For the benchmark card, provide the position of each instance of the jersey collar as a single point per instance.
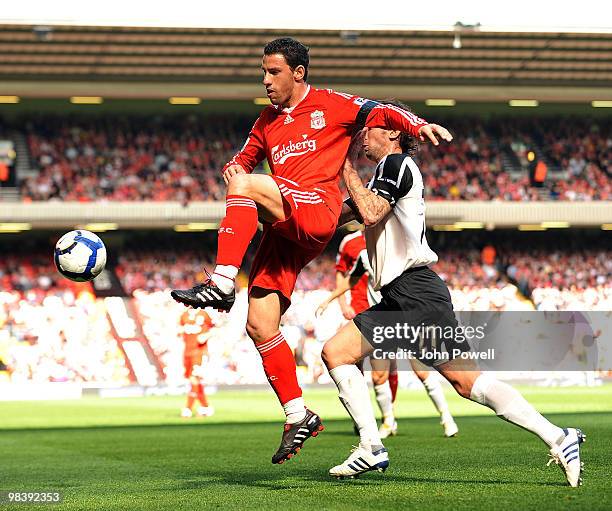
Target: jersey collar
(289, 110)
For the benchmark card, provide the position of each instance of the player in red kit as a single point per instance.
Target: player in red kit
(195, 327)
(305, 135)
(348, 254)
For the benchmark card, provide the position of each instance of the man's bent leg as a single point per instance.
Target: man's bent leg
(503, 399)
(510, 405)
(249, 197)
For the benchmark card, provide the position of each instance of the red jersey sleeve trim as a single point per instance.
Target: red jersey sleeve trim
(395, 118)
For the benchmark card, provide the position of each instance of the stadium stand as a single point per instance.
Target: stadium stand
(68, 333)
(178, 157)
(128, 159)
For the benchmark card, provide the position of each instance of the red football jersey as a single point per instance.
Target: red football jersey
(195, 323)
(307, 144)
(348, 254)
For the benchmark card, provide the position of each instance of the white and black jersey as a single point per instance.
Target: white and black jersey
(398, 241)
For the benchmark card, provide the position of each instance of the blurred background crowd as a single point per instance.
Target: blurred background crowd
(179, 158)
(52, 329)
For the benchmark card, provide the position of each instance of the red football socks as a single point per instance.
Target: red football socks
(236, 230)
(191, 396)
(393, 381)
(201, 396)
(279, 366)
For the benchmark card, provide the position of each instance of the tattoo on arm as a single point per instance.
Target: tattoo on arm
(372, 208)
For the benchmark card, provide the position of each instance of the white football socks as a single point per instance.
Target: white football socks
(385, 402)
(509, 404)
(224, 277)
(354, 395)
(295, 410)
(433, 385)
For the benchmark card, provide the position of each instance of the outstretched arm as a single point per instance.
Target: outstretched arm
(395, 118)
(355, 112)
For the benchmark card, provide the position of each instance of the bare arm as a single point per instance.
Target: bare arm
(371, 207)
(340, 283)
(347, 284)
(347, 310)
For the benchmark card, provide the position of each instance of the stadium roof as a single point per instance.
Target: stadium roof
(462, 63)
(514, 16)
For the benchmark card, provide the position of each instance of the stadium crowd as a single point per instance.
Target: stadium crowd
(158, 269)
(54, 330)
(179, 158)
(130, 159)
(58, 337)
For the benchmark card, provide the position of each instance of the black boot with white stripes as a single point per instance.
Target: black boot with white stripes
(294, 436)
(205, 295)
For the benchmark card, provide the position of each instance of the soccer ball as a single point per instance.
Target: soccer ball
(80, 255)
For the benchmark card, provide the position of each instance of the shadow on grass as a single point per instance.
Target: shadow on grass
(243, 464)
(303, 477)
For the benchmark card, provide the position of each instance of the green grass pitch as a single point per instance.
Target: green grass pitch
(136, 453)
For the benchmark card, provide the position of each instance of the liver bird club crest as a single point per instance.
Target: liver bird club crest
(317, 120)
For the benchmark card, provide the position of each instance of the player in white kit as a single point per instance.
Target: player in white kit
(383, 369)
(392, 208)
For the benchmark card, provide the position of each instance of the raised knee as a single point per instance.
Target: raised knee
(329, 355)
(259, 331)
(464, 389)
(239, 184)
(253, 330)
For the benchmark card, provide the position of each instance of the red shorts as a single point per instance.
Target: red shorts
(191, 360)
(289, 245)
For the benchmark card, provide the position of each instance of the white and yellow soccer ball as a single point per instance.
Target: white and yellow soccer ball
(80, 255)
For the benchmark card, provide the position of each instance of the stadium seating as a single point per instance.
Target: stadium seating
(179, 158)
(67, 336)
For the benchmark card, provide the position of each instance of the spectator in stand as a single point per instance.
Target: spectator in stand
(52, 329)
(178, 158)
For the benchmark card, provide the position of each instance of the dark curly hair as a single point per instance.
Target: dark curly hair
(295, 53)
(407, 142)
